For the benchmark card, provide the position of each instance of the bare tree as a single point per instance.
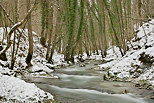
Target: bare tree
(14, 27)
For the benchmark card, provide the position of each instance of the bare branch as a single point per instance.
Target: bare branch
(15, 27)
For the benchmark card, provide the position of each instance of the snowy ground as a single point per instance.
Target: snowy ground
(13, 89)
(16, 90)
(138, 62)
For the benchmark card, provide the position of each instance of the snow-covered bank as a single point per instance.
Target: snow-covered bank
(138, 62)
(16, 90)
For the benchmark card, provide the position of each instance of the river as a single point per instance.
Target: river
(86, 85)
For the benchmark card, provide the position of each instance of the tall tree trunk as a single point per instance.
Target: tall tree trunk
(14, 46)
(45, 20)
(50, 21)
(80, 29)
(114, 30)
(140, 10)
(30, 37)
(71, 17)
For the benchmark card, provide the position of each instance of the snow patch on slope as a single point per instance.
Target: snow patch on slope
(14, 88)
(123, 66)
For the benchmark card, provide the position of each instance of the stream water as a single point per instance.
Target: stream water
(86, 85)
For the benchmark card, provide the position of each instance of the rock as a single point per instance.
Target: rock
(147, 46)
(6, 74)
(29, 71)
(103, 69)
(96, 64)
(50, 67)
(131, 71)
(136, 75)
(117, 86)
(139, 71)
(150, 88)
(80, 58)
(3, 99)
(142, 84)
(111, 77)
(82, 65)
(106, 77)
(146, 59)
(118, 79)
(39, 70)
(97, 68)
(152, 97)
(63, 66)
(87, 62)
(104, 61)
(125, 91)
(115, 73)
(3, 55)
(137, 85)
(140, 88)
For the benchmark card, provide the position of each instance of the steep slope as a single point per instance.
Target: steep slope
(138, 62)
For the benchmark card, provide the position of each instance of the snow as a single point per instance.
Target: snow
(124, 64)
(5, 71)
(38, 67)
(149, 74)
(93, 56)
(38, 61)
(19, 90)
(113, 53)
(152, 82)
(14, 89)
(121, 66)
(58, 58)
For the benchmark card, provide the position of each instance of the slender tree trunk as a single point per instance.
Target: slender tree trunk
(112, 25)
(14, 27)
(45, 20)
(30, 36)
(16, 20)
(50, 20)
(71, 17)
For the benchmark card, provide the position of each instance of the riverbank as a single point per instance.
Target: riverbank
(77, 84)
(13, 88)
(137, 65)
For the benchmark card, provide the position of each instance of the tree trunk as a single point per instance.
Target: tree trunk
(16, 20)
(50, 20)
(30, 37)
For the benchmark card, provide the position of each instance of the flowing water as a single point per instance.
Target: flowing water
(86, 85)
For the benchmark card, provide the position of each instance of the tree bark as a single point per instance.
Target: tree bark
(30, 36)
(14, 46)
(50, 20)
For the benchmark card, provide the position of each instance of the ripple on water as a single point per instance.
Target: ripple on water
(90, 96)
(92, 88)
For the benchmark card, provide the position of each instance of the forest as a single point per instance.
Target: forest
(76, 40)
